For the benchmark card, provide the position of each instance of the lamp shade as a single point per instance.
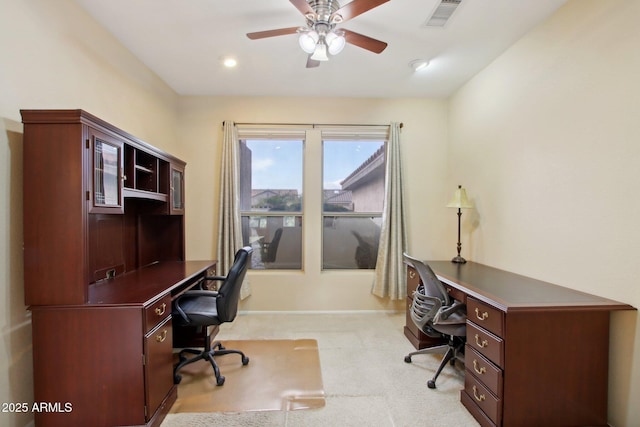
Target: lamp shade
(308, 40)
(320, 52)
(459, 199)
(335, 42)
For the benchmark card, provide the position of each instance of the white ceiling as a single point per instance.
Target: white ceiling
(183, 42)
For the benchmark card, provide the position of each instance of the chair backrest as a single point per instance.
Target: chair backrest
(433, 287)
(229, 292)
(428, 299)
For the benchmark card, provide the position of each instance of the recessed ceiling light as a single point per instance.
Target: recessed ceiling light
(419, 64)
(229, 62)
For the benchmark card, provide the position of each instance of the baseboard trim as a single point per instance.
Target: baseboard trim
(249, 312)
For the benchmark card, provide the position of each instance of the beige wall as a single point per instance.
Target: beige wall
(547, 141)
(53, 55)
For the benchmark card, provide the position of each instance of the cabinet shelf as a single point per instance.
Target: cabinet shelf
(142, 194)
(143, 169)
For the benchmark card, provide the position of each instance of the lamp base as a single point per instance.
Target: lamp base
(459, 260)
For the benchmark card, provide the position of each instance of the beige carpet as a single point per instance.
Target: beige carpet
(281, 375)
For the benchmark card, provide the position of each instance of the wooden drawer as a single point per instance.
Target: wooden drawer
(490, 318)
(487, 344)
(485, 371)
(158, 366)
(469, 403)
(456, 294)
(483, 398)
(157, 312)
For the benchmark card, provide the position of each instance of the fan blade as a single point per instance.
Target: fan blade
(303, 7)
(357, 7)
(312, 63)
(365, 42)
(273, 33)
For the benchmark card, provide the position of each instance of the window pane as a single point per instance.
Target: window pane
(276, 241)
(353, 181)
(350, 242)
(353, 176)
(271, 175)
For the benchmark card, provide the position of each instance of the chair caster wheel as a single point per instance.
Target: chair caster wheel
(407, 359)
(431, 384)
(177, 379)
(245, 360)
(220, 380)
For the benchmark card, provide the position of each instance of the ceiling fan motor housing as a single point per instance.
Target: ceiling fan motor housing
(324, 9)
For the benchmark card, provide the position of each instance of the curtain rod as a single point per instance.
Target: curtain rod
(313, 125)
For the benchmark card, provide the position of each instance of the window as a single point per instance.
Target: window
(345, 168)
(353, 198)
(271, 201)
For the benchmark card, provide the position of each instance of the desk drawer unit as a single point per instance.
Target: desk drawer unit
(158, 366)
(484, 362)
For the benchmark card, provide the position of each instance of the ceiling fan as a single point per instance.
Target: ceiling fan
(320, 38)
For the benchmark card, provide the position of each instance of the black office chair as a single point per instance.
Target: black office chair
(204, 308)
(438, 317)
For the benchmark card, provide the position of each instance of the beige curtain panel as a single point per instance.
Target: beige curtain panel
(390, 280)
(229, 220)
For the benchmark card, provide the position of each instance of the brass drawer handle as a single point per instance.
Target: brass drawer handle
(482, 369)
(481, 344)
(412, 274)
(484, 315)
(475, 394)
(161, 337)
(160, 310)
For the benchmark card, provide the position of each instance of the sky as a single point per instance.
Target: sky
(278, 164)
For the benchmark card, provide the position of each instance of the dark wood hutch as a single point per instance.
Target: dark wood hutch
(104, 255)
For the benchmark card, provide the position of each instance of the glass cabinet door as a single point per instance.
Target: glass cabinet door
(107, 173)
(177, 190)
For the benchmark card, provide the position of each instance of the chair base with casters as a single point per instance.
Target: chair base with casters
(208, 354)
(453, 350)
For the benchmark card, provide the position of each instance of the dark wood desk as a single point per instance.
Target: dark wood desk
(536, 354)
(110, 361)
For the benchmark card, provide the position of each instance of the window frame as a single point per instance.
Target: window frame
(273, 133)
(351, 134)
(322, 133)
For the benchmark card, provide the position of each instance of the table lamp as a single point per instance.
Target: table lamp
(459, 201)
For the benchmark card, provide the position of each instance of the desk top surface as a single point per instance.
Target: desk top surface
(144, 285)
(512, 291)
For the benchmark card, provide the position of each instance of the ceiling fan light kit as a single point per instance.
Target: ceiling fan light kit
(320, 38)
(308, 40)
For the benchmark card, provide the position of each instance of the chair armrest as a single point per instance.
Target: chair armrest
(446, 312)
(215, 277)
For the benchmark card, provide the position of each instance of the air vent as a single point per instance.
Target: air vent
(442, 13)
